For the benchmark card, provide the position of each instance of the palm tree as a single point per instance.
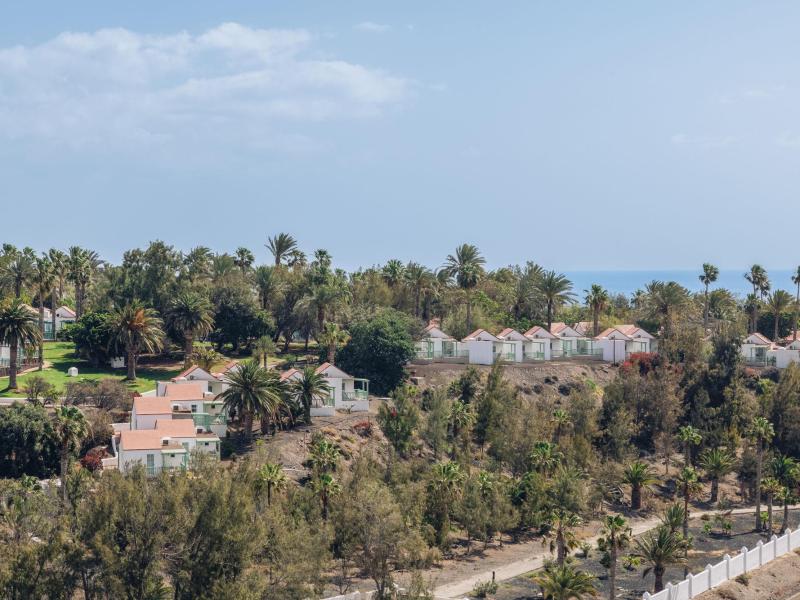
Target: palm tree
(544, 458)
(758, 278)
(243, 259)
(640, 477)
(771, 488)
(597, 299)
(206, 357)
(82, 264)
(332, 337)
(270, 477)
(43, 282)
(281, 247)
(786, 470)
(689, 436)
(198, 263)
(18, 270)
(421, 281)
(466, 266)
(751, 306)
(393, 272)
(796, 281)
(444, 490)
(663, 300)
(689, 486)
(561, 423)
(269, 286)
(58, 262)
(614, 537)
(709, 276)
(716, 462)
(561, 531)
(674, 516)
(252, 391)
(778, 302)
(762, 433)
(462, 419)
(565, 583)
(324, 456)
(556, 290)
(325, 486)
(17, 328)
(69, 430)
(190, 314)
(660, 548)
(136, 329)
(309, 389)
(262, 348)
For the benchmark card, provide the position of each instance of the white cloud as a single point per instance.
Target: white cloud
(703, 141)
(371, 27)
(788, 140)
(118, 86)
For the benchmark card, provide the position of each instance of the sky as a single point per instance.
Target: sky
(580, 135)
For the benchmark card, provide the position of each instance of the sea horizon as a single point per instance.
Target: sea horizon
(628, 281)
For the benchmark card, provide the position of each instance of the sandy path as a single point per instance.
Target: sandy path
(537, 554)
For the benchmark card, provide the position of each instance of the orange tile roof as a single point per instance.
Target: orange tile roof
(185, 373)
(322, 368)
(536, 329)
(152, 405)
(505, 332)
(183, 428)
(761, 337)
(287, 374)
(184, 391)
(146, 439)
(557, 328)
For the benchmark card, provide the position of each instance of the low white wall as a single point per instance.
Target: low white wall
(613, 350)
(480, 352)
(729, 568)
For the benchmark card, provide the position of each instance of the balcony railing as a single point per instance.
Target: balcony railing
(206, 420)
(761, 361)
(532, 355)
(355, 396)
(439, 355)
(152, 471)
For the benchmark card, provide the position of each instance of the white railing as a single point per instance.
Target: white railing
(729, 568)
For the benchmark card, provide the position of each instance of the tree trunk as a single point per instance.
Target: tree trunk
(775, 330)
(64, 467)
(131, 366)
(54, 303)
(307, 411)
(636, 497)
(686, 527)
(41, 332)
(469, 313)
(187, 350)
(785, 523)
(331, 352)
(561, 550)
(12, 363)
(758, 486)
(549, 316)
(714, 489)
(596, 325)
(612, 570)
(248, 425)
(769, 513)
(265, 424)
(796, 306)
(658, 571)
(705, 311)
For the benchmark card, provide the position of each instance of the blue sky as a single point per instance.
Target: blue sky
(579, 135)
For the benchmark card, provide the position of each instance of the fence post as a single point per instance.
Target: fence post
(774, 547)
(708, 568)
(727, 559)
(760, 553)
(669, 591)
(646, 596)
(744, 556)
(689, 579)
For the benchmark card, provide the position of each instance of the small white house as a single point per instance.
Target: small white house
(345, 392)
(539, 344)
(514, 343)
(149, 409)
(166, 447)
(759, 351)
(437, 346)
(64, 316)
(214, 383)
(484, 348)
(191, 399)
(619, 342)
(569, 342)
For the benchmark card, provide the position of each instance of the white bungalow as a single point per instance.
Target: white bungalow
(484, 348)
(214, 382)
(759, 351)
(64, 316)
(165, 447)
(619, 342)
(437, 346)
(514, 342)
(539, 344)
(345, 391)
(569, 342)
(192, 399)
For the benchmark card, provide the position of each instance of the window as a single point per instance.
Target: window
(194, 408)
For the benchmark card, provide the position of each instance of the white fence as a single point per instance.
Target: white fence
(729, 568)
(366, 596)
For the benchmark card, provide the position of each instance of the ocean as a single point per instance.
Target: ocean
(627, 282)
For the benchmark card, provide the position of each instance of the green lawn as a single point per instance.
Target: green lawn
(60, 355)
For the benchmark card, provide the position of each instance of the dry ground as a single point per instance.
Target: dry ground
(779, 580)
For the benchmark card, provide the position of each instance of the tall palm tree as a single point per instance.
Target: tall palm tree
(309, 389)
(252, 391)
(18, 327)
(198, 264)
(562, 524)
(772, 489)
(43, 283)
(660, 548)
(689, 436)
(325, 486)
(709, 276)
(270, 478)
(556, 290)
(466, 266)
(444, 490)
(716, 462)
(243, 258)
(281, 246)
(674, 516)
(758, 278)
(136, 329)
(762, 432)
(262, 348)
(324, 456)
(787, 471)
(269, 285)
(639, 476)
(18, 270)
(615, 536)
(565, 583)
(663, 300)
(332, 337)
(421, 280)
(82, 264)
(778, 302)
(689, 486)
(58, 262)
(561, 423)
(796, 281)
(751, 307)
(462, 419)
(393, 272)
(544, 458)
(69, 430)
(192, 316)
(597, 299)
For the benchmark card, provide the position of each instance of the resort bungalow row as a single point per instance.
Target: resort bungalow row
(345, 392)
(760, 351)
(481, 347)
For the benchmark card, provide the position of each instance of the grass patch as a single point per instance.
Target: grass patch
(61, 356)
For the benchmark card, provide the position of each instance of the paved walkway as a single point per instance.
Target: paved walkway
(510, 570)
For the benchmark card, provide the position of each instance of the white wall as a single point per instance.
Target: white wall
(480, 352)
(613, 350)
(148, 421)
